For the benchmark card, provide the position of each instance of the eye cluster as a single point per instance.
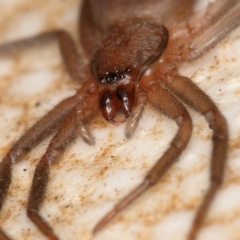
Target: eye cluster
(113, 77)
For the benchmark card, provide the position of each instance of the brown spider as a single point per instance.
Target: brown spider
(125, 72)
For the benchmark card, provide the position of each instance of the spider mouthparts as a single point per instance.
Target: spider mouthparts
(115, 101)
(111, 120)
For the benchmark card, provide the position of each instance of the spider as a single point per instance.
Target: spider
(125, 72)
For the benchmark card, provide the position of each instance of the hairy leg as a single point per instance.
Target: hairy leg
(192, 95)
(188, 92)
(198, 23)
(188, 49)
(44, 127)
(79, 117)
(73, 62)
(53, 120)
(40, 179)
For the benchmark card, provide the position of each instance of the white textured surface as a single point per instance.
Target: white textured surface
(89, 180)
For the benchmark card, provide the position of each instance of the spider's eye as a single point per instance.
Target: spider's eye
(113, 78)
(101, 78)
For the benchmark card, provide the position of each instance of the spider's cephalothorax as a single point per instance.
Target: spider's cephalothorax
(117, 65)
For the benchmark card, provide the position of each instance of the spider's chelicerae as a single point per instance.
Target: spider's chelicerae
(124, 73)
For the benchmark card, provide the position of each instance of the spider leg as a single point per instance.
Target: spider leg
(212, 36)
(174, 109)
(188, 92)
(41, 175)
(73, 62)
(196, 24)
(44, 127)
(78, 117)
(31, 138)
(53, 120)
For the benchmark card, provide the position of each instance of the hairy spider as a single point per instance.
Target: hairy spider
(103, 167)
